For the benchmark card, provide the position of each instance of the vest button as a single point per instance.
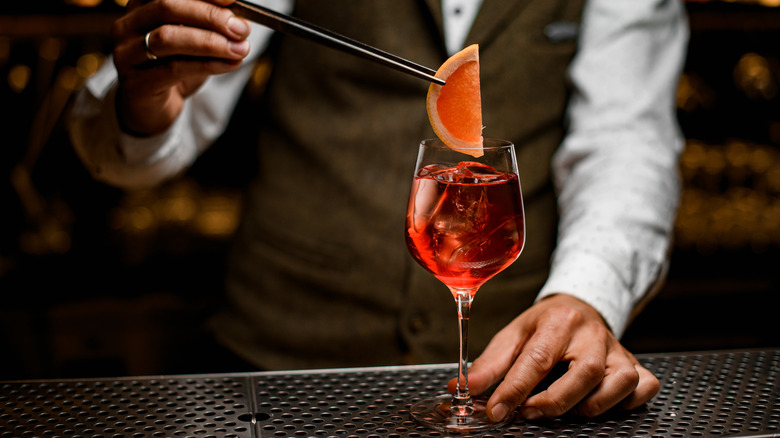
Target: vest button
(417, 323)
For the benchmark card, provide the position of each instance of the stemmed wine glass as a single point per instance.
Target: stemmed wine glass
(464, 224)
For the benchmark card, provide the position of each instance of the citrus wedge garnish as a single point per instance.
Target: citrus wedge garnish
(455, 109)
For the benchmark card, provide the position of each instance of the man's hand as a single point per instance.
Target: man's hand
(191, 39)
(602, 374)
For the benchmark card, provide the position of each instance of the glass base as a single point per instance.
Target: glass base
(438, 413)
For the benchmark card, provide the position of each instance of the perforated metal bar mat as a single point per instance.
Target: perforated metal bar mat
(721, 394)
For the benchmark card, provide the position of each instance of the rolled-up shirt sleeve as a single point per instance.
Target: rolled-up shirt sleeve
(130, 162)
(616, 170)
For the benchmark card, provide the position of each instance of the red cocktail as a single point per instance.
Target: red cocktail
(464, 224)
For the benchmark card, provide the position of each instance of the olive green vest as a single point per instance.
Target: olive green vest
(320, 276)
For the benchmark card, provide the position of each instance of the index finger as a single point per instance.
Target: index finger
(535, 361)
(136, 3)
(585, 373)
(209, 15)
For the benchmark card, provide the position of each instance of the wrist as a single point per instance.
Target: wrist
(145, 118)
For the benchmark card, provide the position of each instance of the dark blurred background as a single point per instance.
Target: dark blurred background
(98, 282)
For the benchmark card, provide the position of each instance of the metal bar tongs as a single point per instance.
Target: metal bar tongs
(293, 26)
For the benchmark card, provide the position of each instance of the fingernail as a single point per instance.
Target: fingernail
(499, 411)
(239, 48)
(238, 26)
(531, 413)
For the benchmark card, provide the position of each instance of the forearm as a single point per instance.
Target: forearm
(617, 170)
(130, 162)
(117, 158)
(616, 228)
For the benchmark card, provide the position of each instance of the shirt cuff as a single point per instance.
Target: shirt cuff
(139, 151)
(592, 280)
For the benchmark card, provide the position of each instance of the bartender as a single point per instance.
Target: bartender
(320, 276)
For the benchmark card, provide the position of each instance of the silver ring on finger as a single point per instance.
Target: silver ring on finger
(149, 54)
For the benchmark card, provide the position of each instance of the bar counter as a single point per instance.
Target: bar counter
(730, 393)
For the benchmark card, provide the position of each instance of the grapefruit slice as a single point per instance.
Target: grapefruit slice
(455, 109)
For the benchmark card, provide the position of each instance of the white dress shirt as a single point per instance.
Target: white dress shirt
(615, 172)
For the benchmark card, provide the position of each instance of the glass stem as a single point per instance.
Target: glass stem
(461, 402)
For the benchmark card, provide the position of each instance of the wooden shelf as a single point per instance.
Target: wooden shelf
(75, 25)
(721, 16)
